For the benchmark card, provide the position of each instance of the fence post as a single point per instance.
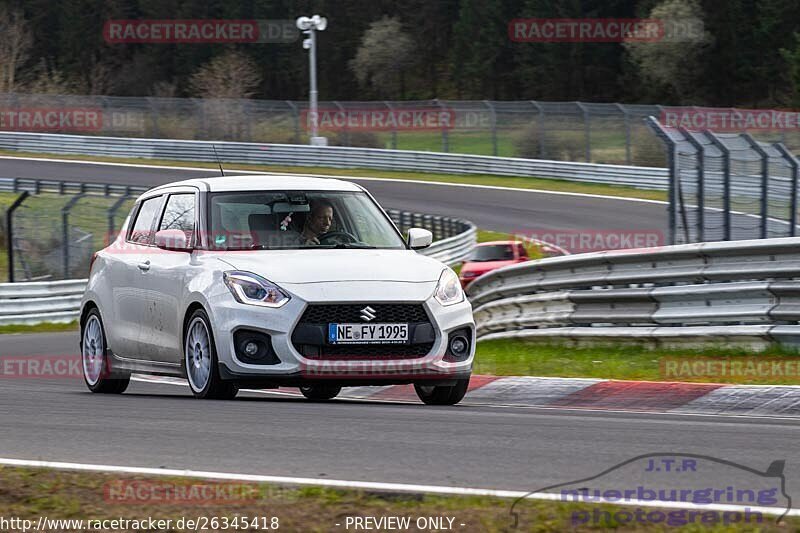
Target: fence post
(65, 231)
(726, 177)
(346, 130)
(540, 127)
(627, 133)
(764, 181)
(662, 134)
(795, 166)
(112, 211)
(488, 104)
(701, 193)
(394, 129)
(296, 120)
(10, 232)
(587, 134)
(445, 136)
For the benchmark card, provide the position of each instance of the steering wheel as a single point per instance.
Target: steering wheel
(325, 238)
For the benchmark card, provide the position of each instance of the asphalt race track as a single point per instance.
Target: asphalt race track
(490, 209)
(160, 425)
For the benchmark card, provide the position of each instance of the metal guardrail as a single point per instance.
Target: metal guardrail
(35, 302)
(334, 156)
(741, 291)
(41, 186)
(59, 301)
(454, 238)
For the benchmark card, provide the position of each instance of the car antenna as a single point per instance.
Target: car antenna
(218, 161)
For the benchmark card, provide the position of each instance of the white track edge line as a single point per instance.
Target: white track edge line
(373, 485)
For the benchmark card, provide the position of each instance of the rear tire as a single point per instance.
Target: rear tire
(201, 363)
(94, 358)
(442, 394)
(320, 392)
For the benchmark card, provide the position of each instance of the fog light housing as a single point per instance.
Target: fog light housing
(458, 345)
(254, 348)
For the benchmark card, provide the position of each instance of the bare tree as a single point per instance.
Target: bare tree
(230, 75)
(385, 53)
(49, 80)
(15, 41)
(673, 62)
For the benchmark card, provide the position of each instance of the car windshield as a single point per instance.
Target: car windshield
(495, 252)
(279, 220)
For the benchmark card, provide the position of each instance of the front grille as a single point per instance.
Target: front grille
(324, 314)
(348, 313)
(367, 351)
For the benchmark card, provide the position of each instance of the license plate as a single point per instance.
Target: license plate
(367, 333)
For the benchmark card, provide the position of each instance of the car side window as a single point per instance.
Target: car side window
(142, 229)
(179, 214)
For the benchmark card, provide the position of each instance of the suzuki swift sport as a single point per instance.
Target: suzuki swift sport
(266, 281)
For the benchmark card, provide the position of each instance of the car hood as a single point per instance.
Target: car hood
(320, 266)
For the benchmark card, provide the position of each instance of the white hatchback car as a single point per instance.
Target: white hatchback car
(267, 281)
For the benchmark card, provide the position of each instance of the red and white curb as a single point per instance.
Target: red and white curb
(594, 394)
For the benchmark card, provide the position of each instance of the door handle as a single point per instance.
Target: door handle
(144, 267)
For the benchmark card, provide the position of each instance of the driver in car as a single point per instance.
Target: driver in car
(318, 222)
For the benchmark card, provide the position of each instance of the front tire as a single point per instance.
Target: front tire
(442, 394)
(200, 361)
(94, 358)
(320, 392)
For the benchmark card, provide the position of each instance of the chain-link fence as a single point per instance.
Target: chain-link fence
(565, 131)
(728, 186)
(56, 226)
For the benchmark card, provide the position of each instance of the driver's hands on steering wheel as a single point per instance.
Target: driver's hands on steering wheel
(336, 237)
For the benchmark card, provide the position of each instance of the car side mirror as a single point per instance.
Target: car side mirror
(419, 238)
(173, 239)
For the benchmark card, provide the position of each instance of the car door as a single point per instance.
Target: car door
(127, 269)
(162, 325)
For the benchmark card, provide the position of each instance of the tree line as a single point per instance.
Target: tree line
(746, 54)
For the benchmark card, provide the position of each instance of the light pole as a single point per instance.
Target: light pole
(310, 26)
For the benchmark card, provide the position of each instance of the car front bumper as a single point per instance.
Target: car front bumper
(228, 316)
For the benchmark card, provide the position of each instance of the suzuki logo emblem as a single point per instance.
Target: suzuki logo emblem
(368, 314)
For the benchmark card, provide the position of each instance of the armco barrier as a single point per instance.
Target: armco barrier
(35, 302)
(722, 292)
(333, 156)
(59, 301)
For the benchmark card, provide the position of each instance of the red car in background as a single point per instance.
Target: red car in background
(488, 256)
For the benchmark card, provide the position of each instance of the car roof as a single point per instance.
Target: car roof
(262, 182)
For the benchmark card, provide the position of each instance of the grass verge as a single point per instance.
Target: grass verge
(515, 357)
(28, 493)
(474, 179)
(45, 327)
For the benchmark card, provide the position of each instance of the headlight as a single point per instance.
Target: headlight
(448, 291)
(249, 288)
